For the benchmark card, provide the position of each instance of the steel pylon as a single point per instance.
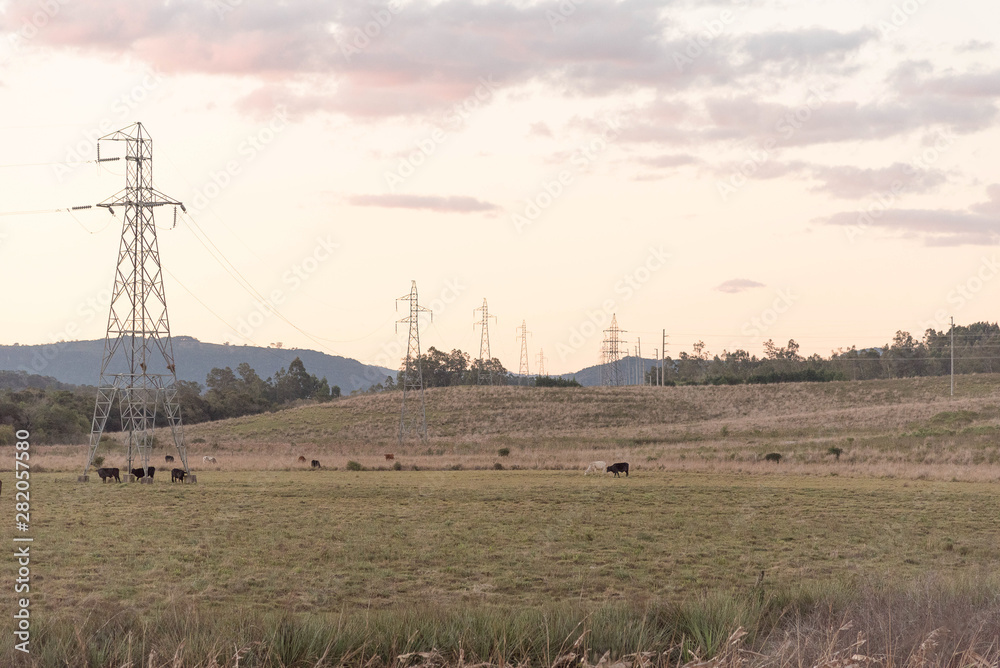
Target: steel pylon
(137, 368)
(611, 367)
(413, 377)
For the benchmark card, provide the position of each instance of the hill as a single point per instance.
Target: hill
(79, 362)
(912, 422)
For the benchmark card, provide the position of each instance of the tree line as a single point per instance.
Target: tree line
(976, 350)
(55, 415)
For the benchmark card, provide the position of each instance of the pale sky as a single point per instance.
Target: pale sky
(699, 167)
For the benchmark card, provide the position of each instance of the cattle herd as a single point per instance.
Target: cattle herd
(178, 475)
(106, 474)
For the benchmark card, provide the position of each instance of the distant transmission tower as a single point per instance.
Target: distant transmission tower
(484, 345)
(137, 369)
(523, 335)
(611, 366)
(413, 377)
(541, 362)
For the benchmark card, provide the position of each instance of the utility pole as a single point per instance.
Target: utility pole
(485, 358)
(611, 368)
(413, 376)
(663, 355)
(137, 369)
(642, 364)
(953, 356)
(523, 335)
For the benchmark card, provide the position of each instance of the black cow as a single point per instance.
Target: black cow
(177, 475)
(169, 458)
(107, 473)
(620, 467)
(315, 463)
(773, 457)
(138, 473)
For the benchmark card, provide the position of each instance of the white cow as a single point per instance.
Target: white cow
(599, 467)
(209, 460)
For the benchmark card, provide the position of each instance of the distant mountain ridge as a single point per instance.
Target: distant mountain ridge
(79, 362)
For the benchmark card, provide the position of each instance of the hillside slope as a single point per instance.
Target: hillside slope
(875, 413)
(79, 362)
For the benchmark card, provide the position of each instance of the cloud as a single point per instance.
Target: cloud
(851, 182)
(396, 59)
(979, 225)
(453, 204)
(735, 285)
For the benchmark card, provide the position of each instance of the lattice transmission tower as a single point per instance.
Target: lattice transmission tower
(541, 362)
(137, 369)
(413, 376)
(611, 363)
(485, 359)
(523, 335)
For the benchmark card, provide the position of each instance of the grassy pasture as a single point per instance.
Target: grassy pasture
(337, 545)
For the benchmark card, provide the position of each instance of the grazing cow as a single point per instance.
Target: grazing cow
(389, 457)
(108, 473)
(620, 467)
(773, 457)
(138, 473)
(169, 458)
(315, 464)
(209, 460)
(177, 475)
(596, 467)
(302, 460)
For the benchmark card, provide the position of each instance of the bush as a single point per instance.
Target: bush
(7, 435)
(456, 467)
(98, 462)
(398, 466)
(503, 452)
(354, 466)
(498, 466)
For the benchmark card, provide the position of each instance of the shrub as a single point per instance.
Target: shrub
(498, 466)
(7, 435)
(98, 462)
(398, 466)
(456, 467)
(354, 466)
(503, 452)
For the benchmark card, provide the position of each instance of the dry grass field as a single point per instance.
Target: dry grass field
(265, 562)
(907, 428)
